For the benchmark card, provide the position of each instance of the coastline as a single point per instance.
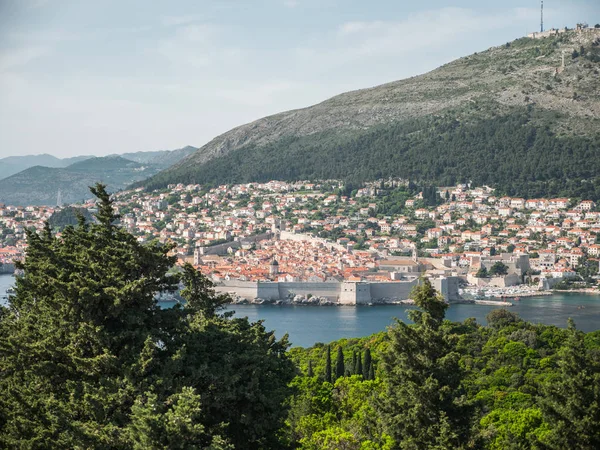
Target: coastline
(526, 294)
(590, 291)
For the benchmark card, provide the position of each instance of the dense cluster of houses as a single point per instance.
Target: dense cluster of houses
(313, 232)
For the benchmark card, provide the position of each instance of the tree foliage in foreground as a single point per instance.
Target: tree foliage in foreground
(89, 360)
(440, 384)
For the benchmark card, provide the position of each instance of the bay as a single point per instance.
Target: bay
(6, 281)
(307, 325)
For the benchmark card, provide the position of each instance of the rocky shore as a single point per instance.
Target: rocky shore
(311, 301)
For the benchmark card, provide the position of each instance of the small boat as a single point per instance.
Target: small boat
(517, 299)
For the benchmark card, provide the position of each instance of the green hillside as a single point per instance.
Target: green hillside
(510, 116)
(39, 185)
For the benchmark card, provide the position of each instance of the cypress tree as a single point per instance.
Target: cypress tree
(367, 364)
(328, 365)
(339, 363)
(309, 371)
(353, 362)
(359, 367)
(371, 372)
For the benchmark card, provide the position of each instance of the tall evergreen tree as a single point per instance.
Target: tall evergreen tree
(328, 365)
(339, 363)
(571, 400)
(89, 360)
(367, 364)
(359, 367)
(309, 371)
(353, 362)
(371, 372)
(421, 408)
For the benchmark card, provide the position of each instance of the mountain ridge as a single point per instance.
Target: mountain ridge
(503, 80)
(11, 165)
(39, 185)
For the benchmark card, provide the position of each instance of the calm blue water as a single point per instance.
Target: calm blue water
(307, 325)
(6, 281)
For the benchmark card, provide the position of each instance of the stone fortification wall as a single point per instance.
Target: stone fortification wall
(345, 293)
(452, 286)
(392, 290)
(221, 249)
(355, 293)
(330, 290)
(245, 289)
(289, 236)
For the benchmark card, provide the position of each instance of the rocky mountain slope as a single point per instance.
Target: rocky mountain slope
(523, 78)
(161, 158)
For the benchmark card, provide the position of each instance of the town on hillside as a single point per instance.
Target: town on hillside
(327, 242)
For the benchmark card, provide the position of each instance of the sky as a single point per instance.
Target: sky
(86, 77)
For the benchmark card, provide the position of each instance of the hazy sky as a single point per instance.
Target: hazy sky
(112, 76)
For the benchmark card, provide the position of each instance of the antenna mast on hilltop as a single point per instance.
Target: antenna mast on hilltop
(542, 18)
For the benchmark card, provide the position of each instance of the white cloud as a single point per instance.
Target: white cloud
(171, 21)
(258, 94)
(15, 58)
(198, 46)
(433, 30)
(358, 27)
(42, 37)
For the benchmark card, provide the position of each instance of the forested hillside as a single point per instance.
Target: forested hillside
(36, 180)
(89, 360)
(512, 152)
(511, 116)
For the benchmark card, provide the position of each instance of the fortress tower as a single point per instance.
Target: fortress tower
(274, 267)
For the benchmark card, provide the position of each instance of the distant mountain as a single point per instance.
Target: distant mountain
(15, 164)
(40, 185)
(163, 158)
(511, 116)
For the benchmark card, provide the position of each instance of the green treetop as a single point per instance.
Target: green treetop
(89, 360)
(421, 407)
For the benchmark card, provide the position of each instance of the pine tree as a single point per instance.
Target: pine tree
(421, 408)
(339, 363)
(367, 364)
(328, 365)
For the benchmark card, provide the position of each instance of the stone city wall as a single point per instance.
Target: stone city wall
(346, 293)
